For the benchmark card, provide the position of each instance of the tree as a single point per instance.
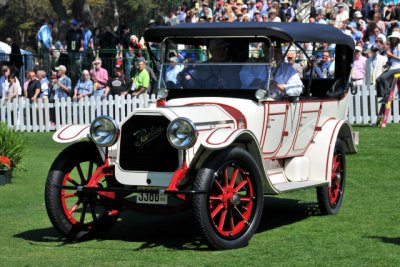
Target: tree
(21, 19)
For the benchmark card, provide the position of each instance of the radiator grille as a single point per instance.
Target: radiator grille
(144, 145)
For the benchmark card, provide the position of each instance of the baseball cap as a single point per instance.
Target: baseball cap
(340, 6)
(358, 4)
(357, 14)
(244, 6)
(61, 67)
(358, 48)
(220, 2)
(383, 37)
(374, 47)
(74, 22)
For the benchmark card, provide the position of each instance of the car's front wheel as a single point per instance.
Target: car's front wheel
(330, 197)
(229, 214)
(78, 214)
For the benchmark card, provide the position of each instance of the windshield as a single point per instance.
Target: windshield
(214, 75)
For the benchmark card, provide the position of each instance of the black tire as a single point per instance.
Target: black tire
(92, 216)
(330, 198)
(229, 220)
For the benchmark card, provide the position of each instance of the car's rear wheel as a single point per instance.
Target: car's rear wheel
(79, 214)
(229, 214)
(330, 197)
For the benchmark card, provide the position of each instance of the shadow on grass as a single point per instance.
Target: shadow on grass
(179, 231)
(389, 240)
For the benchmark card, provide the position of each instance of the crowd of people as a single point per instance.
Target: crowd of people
(373, 25)
(93, 82)
(94, 55)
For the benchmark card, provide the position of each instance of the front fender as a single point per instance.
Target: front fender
(71, 133)
(222, 137)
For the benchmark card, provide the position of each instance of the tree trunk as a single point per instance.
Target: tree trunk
(59, 8)
(115, 21)
(81, 11)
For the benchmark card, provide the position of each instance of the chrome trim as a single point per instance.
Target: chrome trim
(213, 123)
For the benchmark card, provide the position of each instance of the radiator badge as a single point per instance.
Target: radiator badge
(143, 136)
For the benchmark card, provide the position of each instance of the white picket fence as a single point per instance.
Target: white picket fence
(44, 116)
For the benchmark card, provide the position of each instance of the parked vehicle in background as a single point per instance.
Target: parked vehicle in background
(217, 139)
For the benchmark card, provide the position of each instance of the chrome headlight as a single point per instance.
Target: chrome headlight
(104, 131)
(182, 133)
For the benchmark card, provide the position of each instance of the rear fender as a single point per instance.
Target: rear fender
(320, 152)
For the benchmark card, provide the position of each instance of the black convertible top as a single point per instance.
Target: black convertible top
(286, 32)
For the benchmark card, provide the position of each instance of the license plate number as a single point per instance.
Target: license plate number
(152, 198)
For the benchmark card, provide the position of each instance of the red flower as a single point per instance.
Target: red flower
(5, 162)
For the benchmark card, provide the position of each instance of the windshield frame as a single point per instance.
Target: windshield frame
(199, 76)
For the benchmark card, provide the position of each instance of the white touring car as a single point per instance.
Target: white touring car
(218, 138)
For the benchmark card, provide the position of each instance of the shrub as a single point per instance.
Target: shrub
(12, 146)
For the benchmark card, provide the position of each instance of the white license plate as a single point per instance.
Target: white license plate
(152, 198)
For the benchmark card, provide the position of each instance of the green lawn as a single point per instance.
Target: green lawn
(365, 233)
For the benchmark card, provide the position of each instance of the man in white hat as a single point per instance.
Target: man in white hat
(61, 83)
(357, 17)
(358, 71)
(384, 82)
(341, 16)
(288, 10)
(272, 14)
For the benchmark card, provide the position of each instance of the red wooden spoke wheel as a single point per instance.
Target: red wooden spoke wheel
(74, 213)
(336, 179)
(231, 200)
(330, 197)
(82, 208)
(229, 214)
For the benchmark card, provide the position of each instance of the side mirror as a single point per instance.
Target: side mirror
(261, 94)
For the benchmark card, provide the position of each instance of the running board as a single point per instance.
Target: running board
(292, 186)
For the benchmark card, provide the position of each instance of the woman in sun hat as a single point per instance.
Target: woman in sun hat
(384, 82)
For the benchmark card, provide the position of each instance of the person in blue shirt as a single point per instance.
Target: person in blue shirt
(45, 43)
(321, 70)
(61, 83)
(87, 56)
(84, 87)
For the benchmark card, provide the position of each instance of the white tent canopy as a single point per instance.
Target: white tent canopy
(5, 48)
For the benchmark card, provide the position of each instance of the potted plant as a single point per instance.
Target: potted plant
(5, 170)
(12, 146)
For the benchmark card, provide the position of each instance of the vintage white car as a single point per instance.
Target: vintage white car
(220, 136)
